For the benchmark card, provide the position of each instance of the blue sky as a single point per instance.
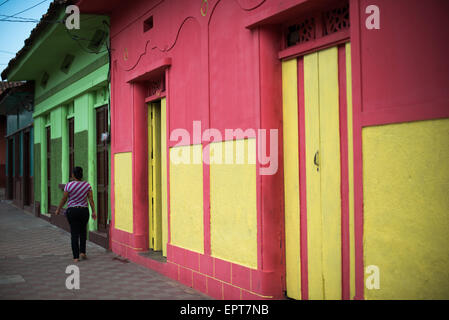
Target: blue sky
(12, 34)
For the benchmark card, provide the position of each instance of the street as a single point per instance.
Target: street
(34, 256)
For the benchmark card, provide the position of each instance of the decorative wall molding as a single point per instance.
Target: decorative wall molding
(129, 60)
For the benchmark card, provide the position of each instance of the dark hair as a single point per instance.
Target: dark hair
(78, 173)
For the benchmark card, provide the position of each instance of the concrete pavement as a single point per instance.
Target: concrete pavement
(34, 255)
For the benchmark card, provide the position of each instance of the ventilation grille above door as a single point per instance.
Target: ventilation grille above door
(301, 32)
(156, 86)
(336, 20)
(317, 25)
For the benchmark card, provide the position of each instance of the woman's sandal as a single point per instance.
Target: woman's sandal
(83, 256)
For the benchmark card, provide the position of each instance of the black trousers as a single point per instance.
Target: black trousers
(78, 218)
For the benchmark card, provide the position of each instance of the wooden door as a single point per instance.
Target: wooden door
(322, 144)
(26, 169)
(102, 169)
(10, 182)
(71, 127)
(17, 182)
(154, 176)
(48, 137)
(312, 175)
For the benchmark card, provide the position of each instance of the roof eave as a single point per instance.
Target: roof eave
(41, 29)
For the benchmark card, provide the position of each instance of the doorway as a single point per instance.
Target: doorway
(48, 137)
(71, 127)
(17, 183)
(102, 168)
(154, 176)
(26, 169)
(10, 185)
(312, 173)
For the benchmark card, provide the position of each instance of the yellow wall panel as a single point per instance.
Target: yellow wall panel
(291, 177)
(233, 197)
(123, 191)
(186, 201)
(406, 209)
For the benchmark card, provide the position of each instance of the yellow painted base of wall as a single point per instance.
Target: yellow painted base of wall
(233, 212)
(406, 209)
(186, 200)
(123, 185)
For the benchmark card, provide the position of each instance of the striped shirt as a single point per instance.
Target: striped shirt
(77, 193)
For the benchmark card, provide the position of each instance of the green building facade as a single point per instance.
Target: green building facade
(70, 70)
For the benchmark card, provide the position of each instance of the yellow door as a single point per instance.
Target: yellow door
(154, 176)
(322, 162)
(291, 178)
(322, 138)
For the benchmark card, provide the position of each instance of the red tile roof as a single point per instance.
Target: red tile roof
(6, 85)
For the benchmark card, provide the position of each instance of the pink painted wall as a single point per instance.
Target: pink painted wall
(405, 63)
(228, 76)
(400, 74)
(222, 74)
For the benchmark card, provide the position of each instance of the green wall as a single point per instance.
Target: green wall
(82, 109)
(73, 92)
(55, 163)
(37, 172)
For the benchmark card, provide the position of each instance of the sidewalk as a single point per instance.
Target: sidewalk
(34, 255)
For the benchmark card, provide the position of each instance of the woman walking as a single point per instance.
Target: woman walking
(78, 192)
